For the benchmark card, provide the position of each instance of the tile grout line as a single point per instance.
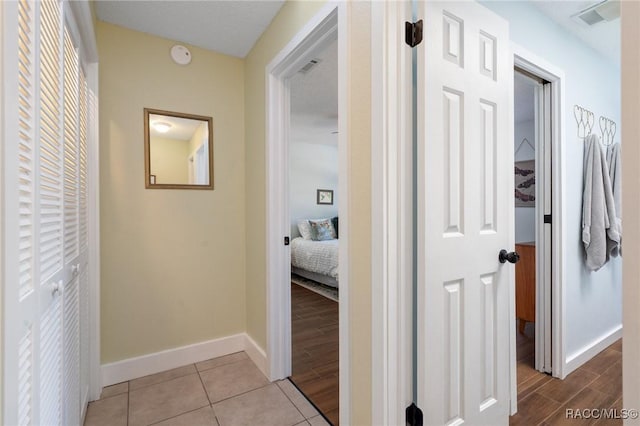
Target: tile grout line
(181, 414)
(562, 404)
(168, 380)
(221, 365)
(310, 402)
(177, 377)
(109, 397)
(162, 381)
(291, 401)
(536, 386)
(243, 393)
(206, 392)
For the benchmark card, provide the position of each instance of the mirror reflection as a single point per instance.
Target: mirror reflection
(178, 150)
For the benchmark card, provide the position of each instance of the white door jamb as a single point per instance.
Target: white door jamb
(550, 304)
(327, 25)
(391, 210)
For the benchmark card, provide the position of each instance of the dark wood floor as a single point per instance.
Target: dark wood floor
(543, 400)
(314, 328)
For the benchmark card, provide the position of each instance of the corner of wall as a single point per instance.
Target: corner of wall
(292, 16)
(185, 284)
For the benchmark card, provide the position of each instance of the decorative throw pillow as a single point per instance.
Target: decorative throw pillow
(304, 227)
(322, 230)
(334, 222)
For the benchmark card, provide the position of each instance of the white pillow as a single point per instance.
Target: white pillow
(322, 230)
(304, 227)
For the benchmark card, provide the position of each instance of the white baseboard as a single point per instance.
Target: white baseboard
(257, 355)
(132, 368)
(583, 355)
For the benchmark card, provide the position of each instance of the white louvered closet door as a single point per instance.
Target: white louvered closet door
(71, 308)
(45, 168)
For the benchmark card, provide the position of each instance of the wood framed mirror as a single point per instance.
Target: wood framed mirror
(178, 150)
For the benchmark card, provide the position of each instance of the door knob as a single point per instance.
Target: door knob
(511, 257)
(56, 288)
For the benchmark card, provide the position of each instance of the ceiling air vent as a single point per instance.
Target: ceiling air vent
(309, 66)
(607, 10)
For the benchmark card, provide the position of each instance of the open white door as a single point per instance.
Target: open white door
(465, 215)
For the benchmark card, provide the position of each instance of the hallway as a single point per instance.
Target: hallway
(543, 400)
(224, 391)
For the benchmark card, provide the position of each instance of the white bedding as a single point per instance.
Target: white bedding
(316, 256)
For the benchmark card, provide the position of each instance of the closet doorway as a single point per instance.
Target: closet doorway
(537, 220)
(530, 199)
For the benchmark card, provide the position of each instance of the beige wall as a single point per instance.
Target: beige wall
(284, 26)
(291, 18)
(359, 85)
(168, 160)
(173, 261)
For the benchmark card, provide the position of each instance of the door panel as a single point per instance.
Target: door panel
(44, 217)
(464, 199)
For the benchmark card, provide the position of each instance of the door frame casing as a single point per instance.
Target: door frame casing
(391, 212)
(328, 24)
(555, 289)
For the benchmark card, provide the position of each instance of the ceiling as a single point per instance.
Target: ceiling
(604, 37)
(181, 129)
(233, 27)
(314, 100)
(229, 27)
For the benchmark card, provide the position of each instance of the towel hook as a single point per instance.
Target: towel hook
(608, 130)
(584, 119)
(525, 140)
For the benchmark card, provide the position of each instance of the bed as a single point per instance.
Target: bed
(315, 260)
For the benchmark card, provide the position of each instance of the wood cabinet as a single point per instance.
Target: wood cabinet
(526, 284)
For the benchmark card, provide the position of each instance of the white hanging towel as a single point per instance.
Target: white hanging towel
(615, 174)
(599, 231)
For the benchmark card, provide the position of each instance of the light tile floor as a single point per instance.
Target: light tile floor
(225, 391)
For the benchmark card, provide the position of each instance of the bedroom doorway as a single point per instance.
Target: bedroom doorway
(313, 211)
(308, 227)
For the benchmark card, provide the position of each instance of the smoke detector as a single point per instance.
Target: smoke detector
(605, 11)
(180, 55)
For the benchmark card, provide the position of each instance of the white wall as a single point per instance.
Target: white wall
(593, 301)
(525, 216)
(312, 167)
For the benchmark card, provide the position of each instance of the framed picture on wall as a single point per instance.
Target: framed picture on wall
(525, 185)
(324, 196)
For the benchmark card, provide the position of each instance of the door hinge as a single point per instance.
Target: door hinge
(413, 415)
(413, 33)
(286, 241)
(547, 218)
